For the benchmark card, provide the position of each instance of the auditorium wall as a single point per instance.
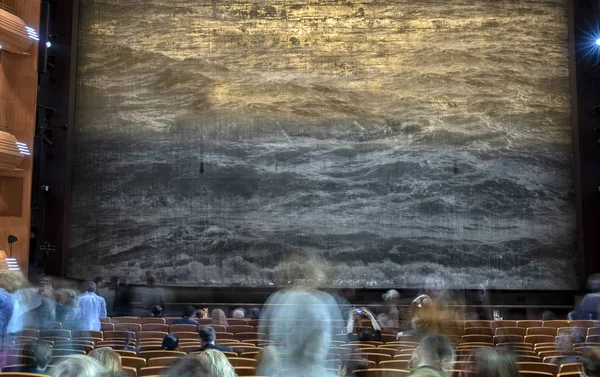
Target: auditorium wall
(378, 143)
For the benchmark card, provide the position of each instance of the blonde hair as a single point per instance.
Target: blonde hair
(65, 297)
(77, 366)
(218, 317)
(110, 360)
(216, 362)
(11, 280)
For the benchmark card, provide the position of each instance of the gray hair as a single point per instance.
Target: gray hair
(78, 366)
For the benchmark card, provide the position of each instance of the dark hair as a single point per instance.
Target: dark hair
(98, 279)
(170, 342)
(253, 313)
(548, 315)
(89, 286)
(590, 362)
(189, 311)
(150, 280)
(437, 347)
(42, 354)
(114, 280)
(207, 334)
(156, 311)
(496, 363)
(188, 366)
(364, 334)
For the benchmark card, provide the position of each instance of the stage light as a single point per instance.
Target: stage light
(48, 44)
(598, 42)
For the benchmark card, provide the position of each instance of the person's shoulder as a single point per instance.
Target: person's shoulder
(427, 372)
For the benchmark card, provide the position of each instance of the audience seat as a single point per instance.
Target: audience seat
(529, 323)
(535, 339)
(245, 371)
(153, 354)
(479, 331)
(237, 321)
(571, 374)
(249, 355)
(123, 319)
(593, 331)
(579, 332)
(150, 347)
(162, 327)
(387, 338)
(127, 353)
(170, 320)
(13, 368)
(556, 323)
(58, 359)
(107, 326)
(133, 362)
(508, 339)
(245, 348)
(393, 364)
(381, 372)
(531, 373)
(551, 331)
(132, 327)
(224, 335)
(55, 333)
(33, 333)
(18, 359)
(376, 357)
(190, 348)
(570, 368)
(76, 334)
(242, 362)
(250, 335)
(388, 351)
(390, 330)
(404, 338)
(162, 361)
(582, 323)
(218, 328)
(151, 371)
(204, 321)
(118, 335)
(503, 323)
(152, 335)
(478, 338)
(183, 328)
(235, 329)
(21, 374)
(516, 345)
(477, 324)
(67, 352)
(525, 358)
(185, 335)
(538, 367)
(510, 331)
(150, 321)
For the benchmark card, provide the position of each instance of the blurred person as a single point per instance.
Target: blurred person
(109, 294)
(189, 366)
(149, 296)
(424, 316)
(78, 366)
(200, 314)
(99, 281)
(157, 311)
(590, 362)
(434, 354)
(217, 364)
(269, 363)
(90, 308)
(187, 318)
(170, 343)
(123, 299)
(208, 337)
(239, 313)
(253, 313)
(15, 301)
(7, 307)
(219, 318)
(299, 323)
(548, 315)
(42, 356)
(348, 366)
(391, 315)
(498, 362)
(564, 345)
(45, 313)
(66, 305)
(109, 359)
(363, 334)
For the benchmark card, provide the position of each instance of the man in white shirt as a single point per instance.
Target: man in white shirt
(90, 308)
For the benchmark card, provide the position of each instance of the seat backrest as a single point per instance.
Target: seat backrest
(477, 324)
(152, 354)
(185, 335)
(22, 374)
(133, 362)
(511, 331)
(183, 328)
(538, 367)
(163, 327)
(531, 373)
(128, 353)
(67, 352)
(236, 321)
(478, 331)
(225, 335)
(107, 326)
(150, 321)
(529, 323)
(124, 319)
(381, 372)
(541, 331)
(133, 327)
(556, 323)
(152, 335)
(503, 323)
(477, 338)
(395, 364)
(571, 374)
(75, 334)
(535, 339)
(162, 361)
(508, 339)
(55, 333)
(239, 328)
(245, 371)
(570, 368)
(152, 371)
(242, 362)
(119, 334)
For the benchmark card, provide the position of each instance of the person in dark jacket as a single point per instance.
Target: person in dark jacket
(187, 318)
(363, 334)
(207, 340)
(170, 343)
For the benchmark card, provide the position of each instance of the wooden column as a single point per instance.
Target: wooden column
(18, 93)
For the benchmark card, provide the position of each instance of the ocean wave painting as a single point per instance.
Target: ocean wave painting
(384, 143)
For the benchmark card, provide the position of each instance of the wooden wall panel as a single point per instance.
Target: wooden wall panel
(18, 93)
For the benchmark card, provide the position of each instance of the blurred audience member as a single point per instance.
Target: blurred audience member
(19, 300)
(42, 355)
(44, 313)
(217, 364)
(187, 318)
(149, 296)
(65, 305)
(548, 315)
(201, 314)
(363, 334)
(78, 366)
(219, 318)
(590, 362)
(123, 299)
(170, 342)
(109, 295)
(7, 307)
(491, 362)
(269, 363)
(157, 311)
(564, 345)
(425, 317)
(238, 313)
(434, 354)
(189, 366)
(253, 313)
(109, 359)
(207, 340)
(90, 308)
(349, 365)
(391, 314)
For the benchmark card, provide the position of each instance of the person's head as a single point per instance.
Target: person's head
(391, 296)
(109, 359)
(207, 335)
(200, 313)
(99, 280)
(77, 366)
(253, 313)
(189, 312)
(217, 364)
(239, 313)
(170, 342)
(218, 317)
(156, 311)
(590, 362)
(436, 351)
(491, 362)
(42, 355)
(11, 280)
(150, 281)
(89, 286)
(364, 334)
(188, 366)
(548, 315)
(65, 297)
